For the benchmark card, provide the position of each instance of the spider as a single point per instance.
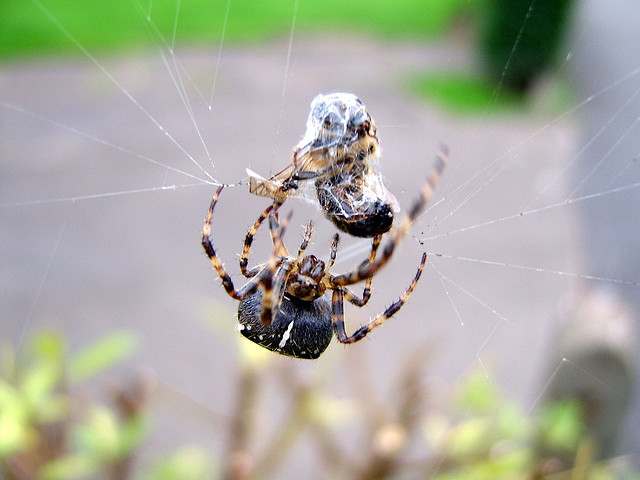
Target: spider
(338, 151)
(282, 306)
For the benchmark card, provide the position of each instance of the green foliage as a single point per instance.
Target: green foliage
(491, 439)
(46, 433)
(29, 396)
(42, 428)
(561, 426)
(101, 355)
(37, 26)
(189, 463)
(464, 93)
(521, 38)
(101, 439)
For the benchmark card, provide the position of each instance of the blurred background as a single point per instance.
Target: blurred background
(514, 358)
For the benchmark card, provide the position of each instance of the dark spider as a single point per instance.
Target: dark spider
(282, 307)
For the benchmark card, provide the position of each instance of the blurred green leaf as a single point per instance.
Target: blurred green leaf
(512, 463)
(510, 459)
(511, 421)
(9, 397)
(561, 425)
(132, 433)
(15, 434)
(39, 382)
(504, 466)
(99, 435)
(105, 438)
(189, 463)
(472, 436)
(56, 408)
(479, 394)
(14, 416)
(330, 411)
(101, 355)
(49, 346)
(69, 468)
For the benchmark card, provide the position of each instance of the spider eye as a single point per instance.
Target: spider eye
(318, 270)
(310, 266)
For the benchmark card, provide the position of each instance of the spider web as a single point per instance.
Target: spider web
(109, 164)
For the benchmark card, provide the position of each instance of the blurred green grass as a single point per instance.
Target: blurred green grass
(37, 27)
(33, 29)
(464, 93)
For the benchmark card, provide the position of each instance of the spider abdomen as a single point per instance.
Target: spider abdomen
(300, 329)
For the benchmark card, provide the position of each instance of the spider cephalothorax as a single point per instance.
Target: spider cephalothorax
(282, 305)
(307, 285)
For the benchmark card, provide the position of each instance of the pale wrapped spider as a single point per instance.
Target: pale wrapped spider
(338, 152)
(282, 306)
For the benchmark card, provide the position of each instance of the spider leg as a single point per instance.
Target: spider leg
(263, 277)
(277, 232)
(369, 269)
(333, 252)
(309, 175)
(216, 263)
(272, 280)
(277, 291)
(274, 224)
(275, 278)
(306, 238)
(366, 292)
(337, 314)
(248, 240)
(338, 310)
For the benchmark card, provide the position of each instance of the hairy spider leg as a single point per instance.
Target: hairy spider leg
(337, 310)
(306, 238)
(309, 175)
(333, 252)
(369, 269)
(276, 272)
(277, 233)
(366, 291)
(273, 288)
(250, 287)
(248, 240)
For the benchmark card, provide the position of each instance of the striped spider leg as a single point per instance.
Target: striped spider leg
(369, 269)
(248, 241)
(261, 277)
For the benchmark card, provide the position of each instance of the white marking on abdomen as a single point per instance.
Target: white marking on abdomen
(285, 335)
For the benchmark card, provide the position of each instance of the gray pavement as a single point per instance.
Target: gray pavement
(605, 56)
(96, 239)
